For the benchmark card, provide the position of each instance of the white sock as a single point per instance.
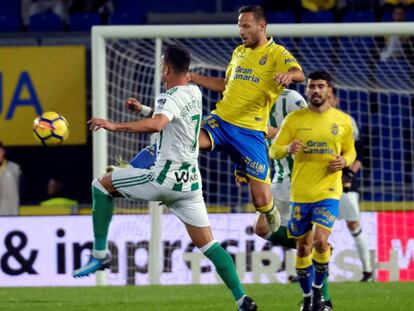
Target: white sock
(240, 301)
(100, 254)
(204, 248)
(362, 247)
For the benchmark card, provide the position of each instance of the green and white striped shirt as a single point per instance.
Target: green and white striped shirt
(176, 166)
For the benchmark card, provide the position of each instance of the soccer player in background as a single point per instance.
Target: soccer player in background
(349, 203)
(177, 116)
(286, 103)
(320, 139)
(9, 185)
(256, 75)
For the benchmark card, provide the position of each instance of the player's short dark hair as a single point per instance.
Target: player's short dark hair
(321, 75)
(178, 58)
(257, 11)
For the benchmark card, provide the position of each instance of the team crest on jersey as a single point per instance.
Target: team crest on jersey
(334, 129)
(263, 60)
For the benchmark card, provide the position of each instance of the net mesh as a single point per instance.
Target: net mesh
(374, 85)
(377, 92)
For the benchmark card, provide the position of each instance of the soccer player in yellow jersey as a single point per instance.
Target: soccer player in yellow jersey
(321, 140)
(256, 75)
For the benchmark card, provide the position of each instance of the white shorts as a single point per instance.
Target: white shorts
(140, 184)
(349, 206)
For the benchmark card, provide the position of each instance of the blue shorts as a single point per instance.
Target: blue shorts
(145, 158)
(304, 215)
(247, 148)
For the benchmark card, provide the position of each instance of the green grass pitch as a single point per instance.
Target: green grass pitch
(346, 296)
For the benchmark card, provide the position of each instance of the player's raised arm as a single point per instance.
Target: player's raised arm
(211, 83)
(134, 104)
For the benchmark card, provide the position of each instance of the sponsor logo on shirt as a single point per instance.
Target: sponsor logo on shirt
(246, 74)
(334, 129)
(263, 60)
(290, 60)
(317, 147)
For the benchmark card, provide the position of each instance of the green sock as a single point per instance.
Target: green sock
(226, 269)
(102, 211)
(280, 237)
(325, 289)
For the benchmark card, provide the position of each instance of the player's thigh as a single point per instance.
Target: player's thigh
(325, 213)
(137, 184)
(300, 222)
(349, 206)
(189, 207)
(211, 135)
(204, 140)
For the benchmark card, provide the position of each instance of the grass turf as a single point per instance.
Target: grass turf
(345, 296)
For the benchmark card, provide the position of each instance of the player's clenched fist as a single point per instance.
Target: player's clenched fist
(295, 147)
(337, 164)
(133, 104)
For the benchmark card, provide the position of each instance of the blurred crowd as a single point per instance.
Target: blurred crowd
(81, 15)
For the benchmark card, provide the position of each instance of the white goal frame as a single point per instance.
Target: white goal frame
(159, 32)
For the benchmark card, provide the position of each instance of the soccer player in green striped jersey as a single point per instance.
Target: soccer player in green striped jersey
(174, 179)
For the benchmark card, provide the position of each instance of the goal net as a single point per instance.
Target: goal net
(374, 87)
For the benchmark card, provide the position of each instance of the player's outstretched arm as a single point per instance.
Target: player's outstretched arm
(152, 125)
(211, 83)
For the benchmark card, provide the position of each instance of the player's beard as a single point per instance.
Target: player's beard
(252, 43)
(318, 103)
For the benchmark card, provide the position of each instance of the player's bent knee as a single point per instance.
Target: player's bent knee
(106, 182)
(303, 249)
(321, 245)
(263, 208)
(352, 225)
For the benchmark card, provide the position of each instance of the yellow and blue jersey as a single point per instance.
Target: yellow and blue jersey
(324, 135)
(251, 90)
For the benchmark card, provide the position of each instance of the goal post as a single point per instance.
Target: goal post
(379, 95)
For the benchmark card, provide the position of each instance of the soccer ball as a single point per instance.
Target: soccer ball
(50, 129)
